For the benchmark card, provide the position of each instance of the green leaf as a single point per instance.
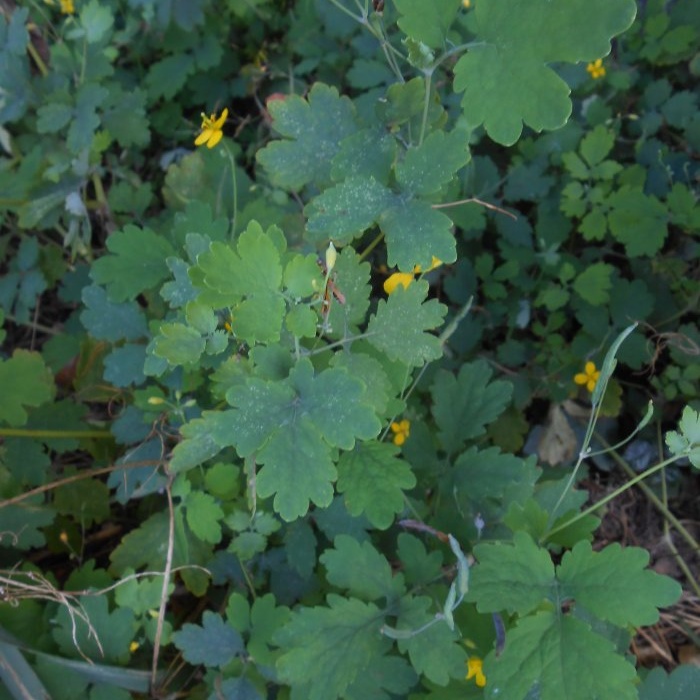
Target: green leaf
(464, 405)
(556, 657)
(367, 153)
(300, 273)
(690, 425)
(597, 144)
(293, 424)
(140, 595)
(167, 76)
(85, 120)
(515, 576)
(301, 322)
(435, 651)
(266, 619)
(374, 376)
(198, 446)
(24, 381)
(638, 221)
(105, 320)
(372, 480)
(602, 581)
(506, 79)
(419, 566)
(87, 501)
(681, 684)
(23, 524)
(347, 210)
(113, 630)
(328, 648)
(683, 208)
(96, 20)
(360, 569)
(125, 118)
(631, 301)
(386, 673)
(427, 22)
(249, 281)
(52, 117)
(400, 324)
(594, 284)
(313, 129)
(135, 263)
(178, 344)
(415, 232)
(213, 644)
(425, 169)
(203, 515)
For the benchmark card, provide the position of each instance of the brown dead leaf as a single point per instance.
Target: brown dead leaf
(557, 444)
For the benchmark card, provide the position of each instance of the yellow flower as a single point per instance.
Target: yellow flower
(596, 69)
(67, 7)
(211, 129)
(589, 376)
(475, 671)
(466, 4)
(134, 646)
(398, 278)
(406, 278)
(435, 262)
(401, 431)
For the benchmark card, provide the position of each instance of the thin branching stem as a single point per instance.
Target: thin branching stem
(167, 572)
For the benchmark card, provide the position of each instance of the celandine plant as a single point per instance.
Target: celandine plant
(311, 486)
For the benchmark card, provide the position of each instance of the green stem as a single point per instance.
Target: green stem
(377, 240)
(426, 104)
(609, 497)
(669, 518)
(232, 161)
(344, 9)
(53, 434)
(37, 59)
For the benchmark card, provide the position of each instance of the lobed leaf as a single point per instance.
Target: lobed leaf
(558, 657)
(135, 263)
(372, 480)
(313, 129)
(360, 569)
(515, 576)
(602, 581)
(25, 381)
(326, 649)
(465, 404)
(506, 76)
(214, 643)
(399, 328)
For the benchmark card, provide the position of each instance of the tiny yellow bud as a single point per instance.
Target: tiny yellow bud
(63, 537)
(155, 400)
(331, 256)
(133, 646)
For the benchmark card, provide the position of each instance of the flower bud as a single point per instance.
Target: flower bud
(331, 256)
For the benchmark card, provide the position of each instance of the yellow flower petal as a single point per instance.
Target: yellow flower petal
(203, 137)
(398, 278)
(475, 671)
(211, 129)
(222, 119)
(401, 431)
(589, 376)
(215, 138)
